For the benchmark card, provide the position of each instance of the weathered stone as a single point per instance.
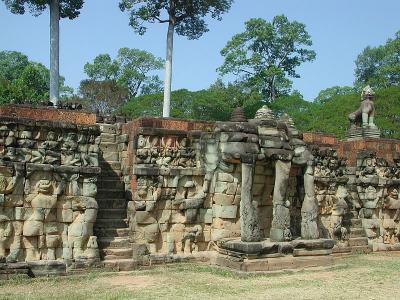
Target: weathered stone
(223, 199)
(225, 212)
(250, 230)
(280, 229)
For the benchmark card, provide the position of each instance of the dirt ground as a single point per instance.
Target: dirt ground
(373, 276)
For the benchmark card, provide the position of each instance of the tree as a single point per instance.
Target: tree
(24, 81)
(58, 9)
(102, 68)
(266, 54)
(104, 97)
(379, 66)
(184, 17)
(131, 69)
(213, 104)
(327, 94)
(12, 63)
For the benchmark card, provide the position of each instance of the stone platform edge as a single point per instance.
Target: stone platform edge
(48, 114)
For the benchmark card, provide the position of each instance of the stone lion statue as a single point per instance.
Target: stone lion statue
(364, 115)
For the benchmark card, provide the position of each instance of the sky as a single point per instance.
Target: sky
(340, 30)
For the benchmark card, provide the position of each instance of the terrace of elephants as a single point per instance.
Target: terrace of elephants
(78, 190)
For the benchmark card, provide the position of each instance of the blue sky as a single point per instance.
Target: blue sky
(340, 30)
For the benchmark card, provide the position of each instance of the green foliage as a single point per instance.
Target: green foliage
(379, 66)
(102, 68)
(326, 94)
(68, 8)
(267, 53)
(12, 64)
(215, 103)
(130, 69)
(24, 81)
(104, 96)
(331, 115)
(388, 111)
(187, 16)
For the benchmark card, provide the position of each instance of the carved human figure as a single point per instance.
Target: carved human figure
(280, 229)
(78, 235)
(309, 209)
(190, 237)
(371, 198)
(339, 209)
(364, 115)
(5, 234)
(33, 227)
(69, 155)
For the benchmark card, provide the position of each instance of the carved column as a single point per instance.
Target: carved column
(280, 229)
(309, 209)
(249, 223)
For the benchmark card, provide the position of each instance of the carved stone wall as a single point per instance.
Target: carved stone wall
(184, 185)
(184, 180)
(48, 175)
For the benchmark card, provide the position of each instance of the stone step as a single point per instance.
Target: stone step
(353, 214)
(112, 203)
(112, 232)
(115, 253)
(108, 138)
(361, 249)
(111, 213)
(110, 194)
(108, 147)
(111, 183)
(357, 232)
(109, 173)
(356, 223)
(121, 264)
(108, 128)
(359, 241)
(110, 156)
(110, 166)
(114, 242)
(110, 223)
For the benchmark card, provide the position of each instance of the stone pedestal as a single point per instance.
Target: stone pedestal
(268, 248)
(273, 256)
(356, 132)
(10, 270)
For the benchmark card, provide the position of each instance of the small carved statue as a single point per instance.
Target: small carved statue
(364, 116)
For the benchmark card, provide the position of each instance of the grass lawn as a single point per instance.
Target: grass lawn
(373, 276)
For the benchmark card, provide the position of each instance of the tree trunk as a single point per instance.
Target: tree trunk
(54, 51)
(272, 91)
(168, 70)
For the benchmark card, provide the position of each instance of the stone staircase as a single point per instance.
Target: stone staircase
(111, 225)
(358, 242)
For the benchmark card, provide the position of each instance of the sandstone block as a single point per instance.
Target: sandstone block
(144, 217)
(225, 212)
(223, 199)
(90, 215)
(206, 216)
(225, 177)
(107, 138)
(65, 215)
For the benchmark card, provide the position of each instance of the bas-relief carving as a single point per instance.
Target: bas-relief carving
(165, 151)
(35, 216)
(331, 190)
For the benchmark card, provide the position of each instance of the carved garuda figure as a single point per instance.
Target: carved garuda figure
(364, 115)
